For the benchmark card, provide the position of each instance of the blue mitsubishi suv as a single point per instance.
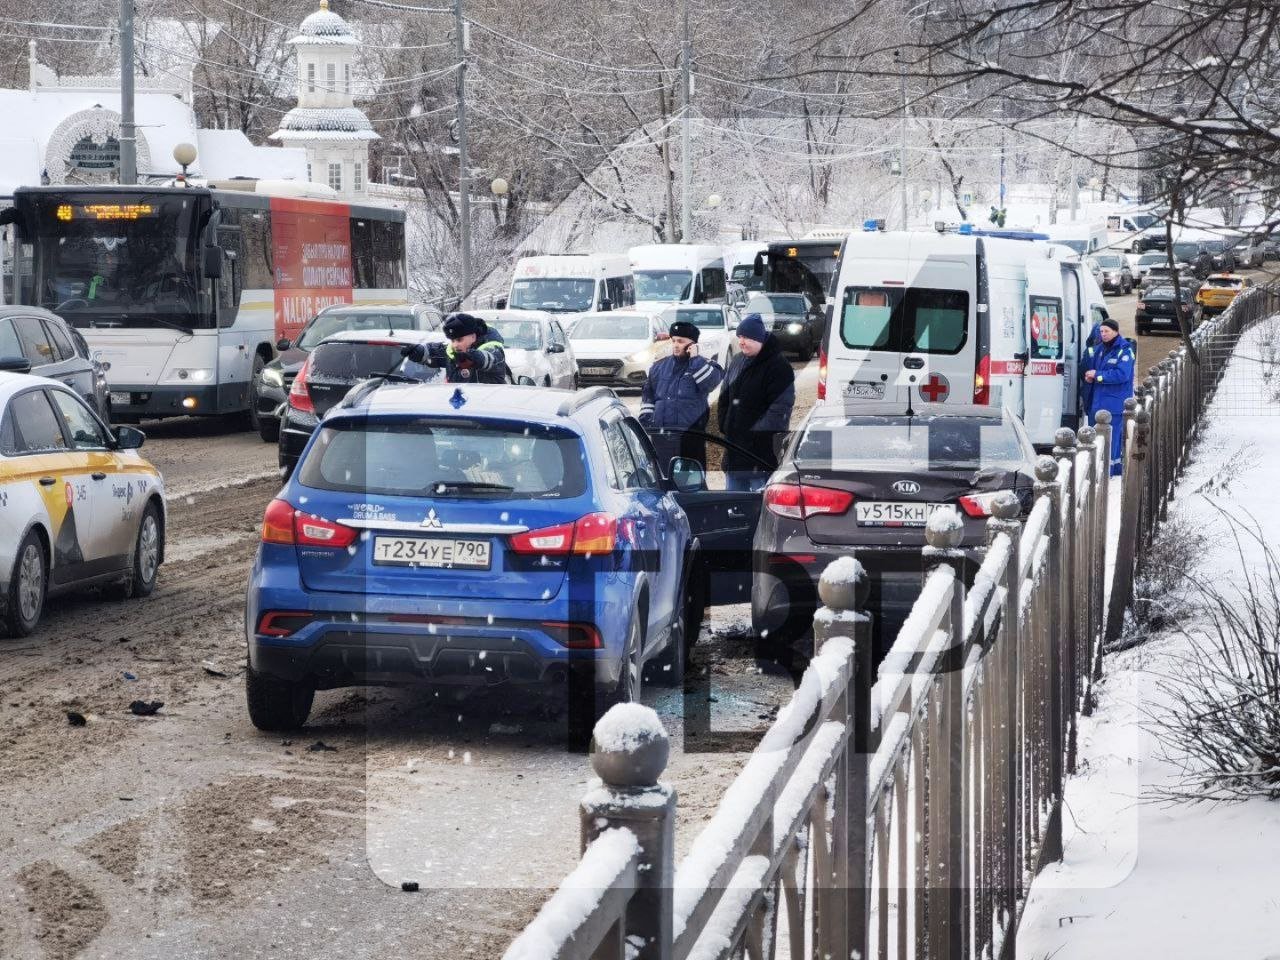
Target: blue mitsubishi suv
(485, 535)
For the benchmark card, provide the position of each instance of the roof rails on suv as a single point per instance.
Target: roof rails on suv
(583, 397)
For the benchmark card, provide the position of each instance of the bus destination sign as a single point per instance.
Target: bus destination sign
(104, 211)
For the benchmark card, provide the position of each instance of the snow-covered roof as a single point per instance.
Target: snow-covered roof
(325, 123)
(324, 27)
(224, 154)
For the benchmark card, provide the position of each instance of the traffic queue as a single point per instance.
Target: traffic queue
(445, 520)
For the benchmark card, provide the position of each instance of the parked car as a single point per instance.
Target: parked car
(867, 477)
(1219, 290)
(272, 386)
(78, 506)
(536, 347)
(1221, 253)
(1116, 274)
(1248, 253)
(716, 323)
(481, 535)
(1270, 247)
(1095, 269)
(794, 319)
(332, 368)
(1196, 255)
(1145, 263)
(1156, 309)
(617, 348)
(1161, 275)
(42, 343)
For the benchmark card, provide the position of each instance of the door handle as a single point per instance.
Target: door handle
(98, 476)
(736, 513)
(913, 363)
(48, 481)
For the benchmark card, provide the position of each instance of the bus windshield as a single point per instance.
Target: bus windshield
(117, 259)
(665, 286)
(556, 295)
(803, 267)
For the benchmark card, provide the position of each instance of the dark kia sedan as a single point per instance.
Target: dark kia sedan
(866, 478)
(332, 368)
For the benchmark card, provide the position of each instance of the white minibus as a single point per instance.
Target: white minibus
(670, 274)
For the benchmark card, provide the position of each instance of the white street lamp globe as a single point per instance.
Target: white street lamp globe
(184, 154)
(714, 200)
(499, 187)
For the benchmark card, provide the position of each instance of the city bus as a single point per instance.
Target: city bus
(802, 266)
(185, 291)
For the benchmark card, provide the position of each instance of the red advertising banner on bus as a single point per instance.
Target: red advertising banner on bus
(311, 254)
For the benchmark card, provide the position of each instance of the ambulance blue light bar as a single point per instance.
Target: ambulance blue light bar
(1012, 234)
(872, 225)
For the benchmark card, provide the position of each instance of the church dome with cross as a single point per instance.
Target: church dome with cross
(326, 122)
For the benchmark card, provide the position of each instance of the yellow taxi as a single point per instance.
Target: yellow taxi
(1218, 290)
(79, 507)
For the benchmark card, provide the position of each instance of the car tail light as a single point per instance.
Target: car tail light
(282, 623)
(277, 523)
(982, 381)
(595, 533)
(574, 636)
(283, 524)
(1141, 305)
(822, 373)
(299, 396)
(978, 504)
(800, 501)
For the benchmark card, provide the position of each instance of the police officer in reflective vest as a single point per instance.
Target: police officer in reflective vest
(474, 353)
(1109, 375)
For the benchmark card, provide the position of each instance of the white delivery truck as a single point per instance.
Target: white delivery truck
(975, 317)
(571, 285)
(1084, 237)
(671, 274)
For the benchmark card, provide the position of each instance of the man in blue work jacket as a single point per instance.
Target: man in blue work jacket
(1109, 375)
(673, 406)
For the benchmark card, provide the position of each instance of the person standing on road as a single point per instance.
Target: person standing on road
(755, 404)
(673, 405)
(1109, 376)
(473, 354)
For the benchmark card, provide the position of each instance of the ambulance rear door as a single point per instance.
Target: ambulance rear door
(1042, 388)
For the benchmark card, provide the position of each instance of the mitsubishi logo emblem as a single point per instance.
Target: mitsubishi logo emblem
(432, 522)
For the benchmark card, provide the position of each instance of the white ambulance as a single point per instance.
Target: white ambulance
(974, 317)
(571, 285)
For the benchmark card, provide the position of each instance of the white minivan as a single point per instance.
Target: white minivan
(570, 285)
(966, 318)
(671, 274)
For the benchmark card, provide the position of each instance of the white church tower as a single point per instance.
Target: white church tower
(326, 123)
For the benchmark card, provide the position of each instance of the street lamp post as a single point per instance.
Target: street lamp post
(500, 189)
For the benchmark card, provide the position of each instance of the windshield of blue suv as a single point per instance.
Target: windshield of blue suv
(445, 458)
(941, 442)
(338, 321)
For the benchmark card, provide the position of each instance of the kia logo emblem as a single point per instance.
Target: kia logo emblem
(906, 486)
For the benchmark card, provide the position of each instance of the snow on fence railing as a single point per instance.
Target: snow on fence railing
(927, 797)
(1161, 423)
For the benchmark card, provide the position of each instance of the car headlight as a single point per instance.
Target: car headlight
(641, 357)
(191, 374)
(795, 328)
(273, 376)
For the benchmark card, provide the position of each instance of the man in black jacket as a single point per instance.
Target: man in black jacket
(755, 404)
(474, 353)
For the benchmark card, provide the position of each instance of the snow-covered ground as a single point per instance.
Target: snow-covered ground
(1148, 879)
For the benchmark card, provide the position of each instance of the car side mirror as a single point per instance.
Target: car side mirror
(500, 303)
(283, 344)
(128, 438)
(211, 262)
(688, 475)
(15, 364)
(555, 348)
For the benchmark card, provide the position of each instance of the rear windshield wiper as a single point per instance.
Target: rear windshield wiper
(475, 486)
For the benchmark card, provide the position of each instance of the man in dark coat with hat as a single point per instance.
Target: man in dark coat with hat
(755, 404)
(673, 405)
(473, 354)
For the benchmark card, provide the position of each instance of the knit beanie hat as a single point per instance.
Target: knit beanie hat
(752, 327)
(1108, 322)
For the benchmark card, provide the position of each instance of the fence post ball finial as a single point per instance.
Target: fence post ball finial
(1046, 469)
(844, 584)
(1142, 417)
(629, 747)
(1065, 437)
(1087, 436)
(1104, 416)
(1130, 404)
(1005, 506)
(945, 530)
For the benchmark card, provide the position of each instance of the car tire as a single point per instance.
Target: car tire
(806, 353)
(667, 669)
(276, 705)
(269, 429)
(251, 415)
(148, 548)
(28, 587)
(1143, 331)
